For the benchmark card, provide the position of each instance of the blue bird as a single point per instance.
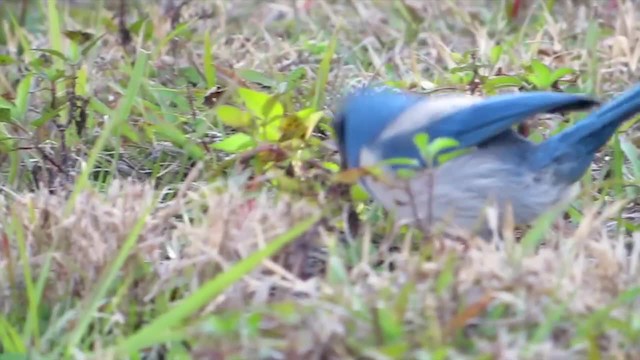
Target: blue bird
(500, 167)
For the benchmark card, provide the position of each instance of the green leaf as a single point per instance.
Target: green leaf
(462, 78)
(109, 24)
(633, 154)
(54, 75)
(81, 81)
(457, 57)
(559, 73)
(405, 174)
(22, 97)
(539, 68)
(130, 133)
(91, 44)
(358, 193)
(292, 127)
(46, 116)
(232, 116)
(443, 158)
(10, 338)
(78, 36)
(170, 132)
(315, 47)
(495, 54)
(180, 30)
(54, 53)
(310, 118)
(421, 141)
(463, 68)
(190, 74)
(6, 103)
(6, 60)
(294, 78)
(541, 75)
(390, 325)
(235, 143)
(262, 105)
(136, 27)
(497, 82)
(331, 166)
(14, 356)
(429, 150)
(271, 132)
(257, 77)
(442, 143)
(5, 115)
(402, 162)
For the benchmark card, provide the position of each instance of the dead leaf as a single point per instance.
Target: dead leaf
(212, 96)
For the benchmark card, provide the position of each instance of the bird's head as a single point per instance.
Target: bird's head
(363, 117)
(381, 124)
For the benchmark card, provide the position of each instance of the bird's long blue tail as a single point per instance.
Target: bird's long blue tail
(571, 151)
(595, 130)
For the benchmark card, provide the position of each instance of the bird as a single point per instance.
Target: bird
(495, 166)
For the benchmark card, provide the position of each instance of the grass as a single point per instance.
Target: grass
(168, 184)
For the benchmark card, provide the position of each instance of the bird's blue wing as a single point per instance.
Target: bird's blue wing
(484, 120)
(478, 122)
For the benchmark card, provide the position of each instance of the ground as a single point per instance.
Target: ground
(143, 215)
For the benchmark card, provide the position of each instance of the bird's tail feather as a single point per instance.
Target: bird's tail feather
(595, 130)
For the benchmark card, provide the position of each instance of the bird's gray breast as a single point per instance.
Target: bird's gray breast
(459, 191)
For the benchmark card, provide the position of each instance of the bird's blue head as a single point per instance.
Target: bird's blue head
(364, 115)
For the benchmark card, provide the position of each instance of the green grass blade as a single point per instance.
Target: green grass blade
(208, 65)
(539, 228)
(633, 154)
(55, 35)
(32, 314)
(323, 73)
(9, 338)
(617, 165)
(39, 291)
